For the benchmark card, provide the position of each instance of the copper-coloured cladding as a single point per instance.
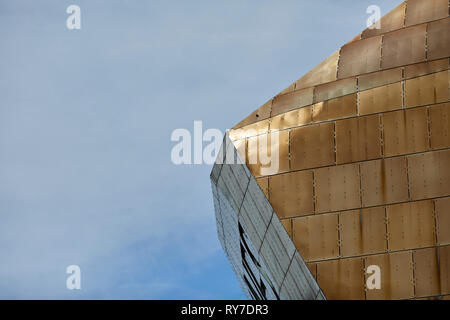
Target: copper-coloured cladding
(342, 279)
(426, 272)
(360, 57)
(411, 225)
(312, 266)
(377, 79)
(291, 119)
(334, 89)
(384, 181)
(380, 99)
(429, 174)
(438, 39)
(444, 255)
(425, 68)
(405, 131)
(287, 224)
(443, 220)
(405, 46)
(362, 231)
(358, 139)
(312, 146)
(316, 236)
(264, 185)
(337, 188)
(337, 108)
(396, 276)
(420, 11)
(292, 100)
(389, 22)
(291, 194)
(261, 113)
(323, 73)
(430, 89)
(262, 160)
(250, 130)
(241, 148)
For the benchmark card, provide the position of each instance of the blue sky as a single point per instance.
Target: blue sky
(85, 122)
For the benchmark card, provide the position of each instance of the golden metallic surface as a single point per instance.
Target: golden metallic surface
(405, 46)
(250, 130)
(397, 281)
(405, 131)
(426, 272)
(380, 78)
(312, 146)
(334, 89)
(392, 21)
(341, 279)
(316, 237)
(291, 194)
(430, 89)
(420, 11)
(241, 147)
(362, 231)
(323, 73)
(440, 126)
(442, 206)
(364, 175)
(429, 174)
(359, 57)
(438, 43)
(380, 99)
(291, 119)
(411, 225)
(337, 108)
(358, 139)
(312, 266)
(292, 100)
(264, 185)
(384, 181)
(424, 68)
(337, 188)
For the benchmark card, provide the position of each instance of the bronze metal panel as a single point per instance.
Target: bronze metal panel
(291, 119)
(264, 185)
(312, 266)
(287, 224)
(405, 131)
(419, 11)
(426, 90)
(438, 39)
(425, 68)
(411, 225)
(334, 89)
(323, 73)
(396, 276)
(337, 188)
(256, 147)
(292, 100)
(335, 108)
(241, 148)
(384, 181)
(380, 78)
(362, 231)
(405, 46)
(429, 174)
(291, 194)
(316, 237)
(312, 146)
(389, 22)
(358, 139)
(291, 88)
(444, 259)
(426, 272)
(342, 279)
(443, 220)
(250, 130)
(380, 99)
(440, 126)
(358, 57)
(261, 113)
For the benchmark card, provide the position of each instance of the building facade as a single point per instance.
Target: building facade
(362, 145)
